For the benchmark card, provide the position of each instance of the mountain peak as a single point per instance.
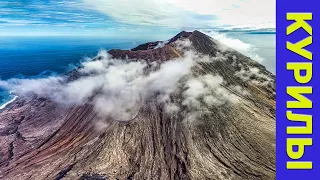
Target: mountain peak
(156, 44)
(216, 120)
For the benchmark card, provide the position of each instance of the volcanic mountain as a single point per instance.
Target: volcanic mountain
(221, 123)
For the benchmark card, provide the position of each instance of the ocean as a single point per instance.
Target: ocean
(34, 57)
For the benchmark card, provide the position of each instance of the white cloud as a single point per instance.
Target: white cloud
(116, 87)
(204, 92)
(181, 13)
(227, 42)
(119, 88)
(255, 76)
(43, 86)
(209, 87)
(172, 108)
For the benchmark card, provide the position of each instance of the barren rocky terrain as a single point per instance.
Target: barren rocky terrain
(41, 139)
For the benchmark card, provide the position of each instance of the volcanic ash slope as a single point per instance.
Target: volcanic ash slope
(187, 108)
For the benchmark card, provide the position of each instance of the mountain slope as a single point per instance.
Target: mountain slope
(42, 140)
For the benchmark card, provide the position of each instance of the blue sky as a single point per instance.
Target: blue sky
(124, 17)
(51, 17)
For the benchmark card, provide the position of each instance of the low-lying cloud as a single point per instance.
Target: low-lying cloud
(255, 76)
(236, 44)
(119, 88)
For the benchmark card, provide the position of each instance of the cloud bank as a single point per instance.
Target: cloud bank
(254, 14)
(119, 88)
(236, 44)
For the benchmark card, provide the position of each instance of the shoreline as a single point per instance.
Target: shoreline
(7, 103)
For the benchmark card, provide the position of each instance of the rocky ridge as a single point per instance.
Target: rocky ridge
(42, 140)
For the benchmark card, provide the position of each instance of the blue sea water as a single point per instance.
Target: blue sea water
(265, 44)
(30, 57)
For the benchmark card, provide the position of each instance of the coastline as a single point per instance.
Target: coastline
(7, 103)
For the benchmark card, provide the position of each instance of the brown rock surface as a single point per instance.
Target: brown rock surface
(42, 140)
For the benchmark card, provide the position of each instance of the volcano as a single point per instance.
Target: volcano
(41, 139)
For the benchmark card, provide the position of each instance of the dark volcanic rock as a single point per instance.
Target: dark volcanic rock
(146, 46)
(151, 45)
(159, 54)
(182, 35)
(93, 177)
(42, 140)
